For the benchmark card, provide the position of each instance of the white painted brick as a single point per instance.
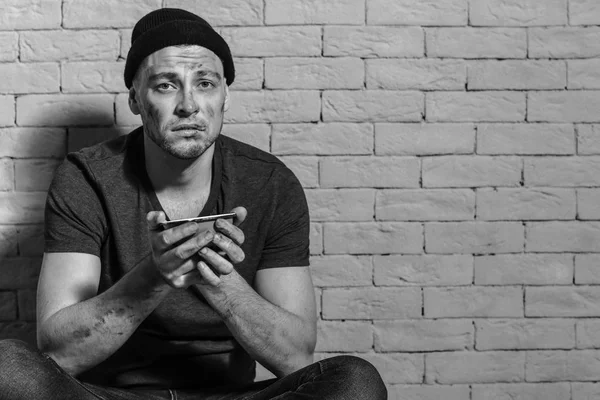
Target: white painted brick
(565, 106)
(587, 269)
(425, 205)
(27, 304)
(306, 169)
(424, 139)
(369, 172)
(517, 74)
(525, 139)
(316, 238)
(344, 336)
(417, 74)
(549, 366)
(32, 142)
(522, 334)
(79, 138)
(423, 270)
(124, 42)
(274, 106)
(423, 335)
(7, 116)
(584, 74)
(474, 237)
(526, 204)
(476, 42)
(9, 46)
(564, 42)
(314, 73)
(588, 206)
(93, 76)
(8, 241)
(469, 171)
(371, 303)
(587, 333)
(562, 171)
(429, 392)
(30, 14)
(20, 272)
(475, 106)
(584, 12)
(286, 12)
(105, 13)
(29, 78)
(318, 293)
(473, 302)
(585, 391)
(556, 301)
(373, 41)
(34, 175)
(336, 271)
(22, 208)
(69, 45)
(572, 236)
(58, 110)
(230, 12)
(257, 135)
(475, 367)
(373, 238)
(341, 204)
(524, 269)
(522, 391)
(277, 41)
(517, 12)
(249, 74)
(373, 105)
(426, 12)
(31, 240)
(323, 139)
(588, 139)
(7, 175)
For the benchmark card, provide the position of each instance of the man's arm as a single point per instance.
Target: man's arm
(79, 328)
(276, 323)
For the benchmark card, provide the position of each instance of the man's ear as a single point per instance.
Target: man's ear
(133, 104)
(226, 104)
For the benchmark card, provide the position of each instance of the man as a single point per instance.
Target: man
(127, 310)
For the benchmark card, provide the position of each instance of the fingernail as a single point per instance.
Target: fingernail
(203, 250)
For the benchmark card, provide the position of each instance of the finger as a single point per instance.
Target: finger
(217, 262)
(154, 218)
(173, 236)
(208, 275)
(233, 251)
(240, 215)
(185, 280)
(190, 247)
(230, 230)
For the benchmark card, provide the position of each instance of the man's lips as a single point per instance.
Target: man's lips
(189, 127)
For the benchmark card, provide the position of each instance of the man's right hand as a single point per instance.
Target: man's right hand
(174, 252)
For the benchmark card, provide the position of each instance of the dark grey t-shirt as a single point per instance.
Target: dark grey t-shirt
(97, 204)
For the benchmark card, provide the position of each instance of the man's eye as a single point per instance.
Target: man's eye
(206, 85)
(164, 86)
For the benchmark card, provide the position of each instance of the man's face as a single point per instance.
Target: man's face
(181, 95)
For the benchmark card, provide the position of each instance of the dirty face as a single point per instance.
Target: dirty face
(181, 94)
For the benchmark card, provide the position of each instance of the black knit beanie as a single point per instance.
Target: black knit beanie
(171, 27)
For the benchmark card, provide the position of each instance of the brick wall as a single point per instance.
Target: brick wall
(450, 152)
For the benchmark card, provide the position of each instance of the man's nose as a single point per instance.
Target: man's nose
(187, 104)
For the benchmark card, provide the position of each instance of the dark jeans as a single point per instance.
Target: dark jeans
(27, 374)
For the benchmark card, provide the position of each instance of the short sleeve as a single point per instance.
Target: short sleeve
(74, 217)
(287, 243)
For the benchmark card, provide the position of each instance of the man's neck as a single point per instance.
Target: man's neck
(171, 174)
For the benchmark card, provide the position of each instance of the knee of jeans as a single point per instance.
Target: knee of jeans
(13, 349)
(363, 375)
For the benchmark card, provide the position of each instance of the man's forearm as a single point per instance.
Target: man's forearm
(82, 335)
(280, 340)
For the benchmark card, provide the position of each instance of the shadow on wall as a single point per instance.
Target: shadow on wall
(40, 150)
